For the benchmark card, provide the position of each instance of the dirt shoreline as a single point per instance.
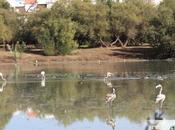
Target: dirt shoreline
(112, 54)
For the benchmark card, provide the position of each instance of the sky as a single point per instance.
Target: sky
(157, 1)
(19, 2)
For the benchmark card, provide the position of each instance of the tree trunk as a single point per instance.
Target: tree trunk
(117, 40)
(103, 43)
(114, 42)
(126, 43)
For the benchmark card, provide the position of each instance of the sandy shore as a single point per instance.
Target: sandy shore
(115, 54)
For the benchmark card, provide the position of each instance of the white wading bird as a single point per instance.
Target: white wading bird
(160, 97)
(108, 75)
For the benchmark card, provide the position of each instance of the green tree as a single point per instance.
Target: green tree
(5, 32)
(8, 23)
(91, 20)
(162, 31)
(124, 21)
(56, 35)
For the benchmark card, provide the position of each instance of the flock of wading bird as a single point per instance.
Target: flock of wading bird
(110, 97)
(41, 75)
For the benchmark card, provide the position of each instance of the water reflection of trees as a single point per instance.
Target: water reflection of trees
(70, 101)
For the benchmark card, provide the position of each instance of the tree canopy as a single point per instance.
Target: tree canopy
(77, 23)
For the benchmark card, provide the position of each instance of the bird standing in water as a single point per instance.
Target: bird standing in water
(108, 75)
(160, 97)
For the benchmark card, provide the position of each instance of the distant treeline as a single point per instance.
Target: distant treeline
(77, 23)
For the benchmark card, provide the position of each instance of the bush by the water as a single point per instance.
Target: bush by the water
(18, 49)
(49, 49)
(55, 34)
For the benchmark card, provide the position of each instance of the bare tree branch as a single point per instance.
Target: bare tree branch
(103, 43)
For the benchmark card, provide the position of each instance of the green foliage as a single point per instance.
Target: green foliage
(127, 20)
(4, 4)
(8, 23)
(49, 49)
(59, 29)
(92, 22)
(64, 36)
(51, 30)
(162, 31)
(5, 32)
(18, 49)
(56, 36)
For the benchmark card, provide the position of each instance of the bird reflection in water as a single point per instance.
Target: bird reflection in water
(31, 113)
(3, 85)
(155, 121)
(110, 97)
(43, 79)
(111, 123)
(4, 82)
(108, 83)
(43, 83)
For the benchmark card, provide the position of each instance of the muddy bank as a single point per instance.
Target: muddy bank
(115, 54)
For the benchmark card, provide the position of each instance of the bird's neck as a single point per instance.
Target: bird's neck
(160, 92)
(3, 78)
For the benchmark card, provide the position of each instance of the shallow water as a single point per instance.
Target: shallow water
(73, 97)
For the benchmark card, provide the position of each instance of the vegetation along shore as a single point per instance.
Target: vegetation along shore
(86, 31)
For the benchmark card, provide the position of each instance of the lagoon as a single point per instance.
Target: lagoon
(73, 96)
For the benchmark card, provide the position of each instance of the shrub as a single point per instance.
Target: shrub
(57, 36)
(49, 49)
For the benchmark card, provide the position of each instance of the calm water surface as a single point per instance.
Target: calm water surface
(73, 97)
